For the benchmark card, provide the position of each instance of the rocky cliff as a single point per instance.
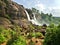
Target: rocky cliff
(12, 14)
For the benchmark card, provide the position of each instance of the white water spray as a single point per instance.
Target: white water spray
(27, 15)
(34, 16)
(34, 20)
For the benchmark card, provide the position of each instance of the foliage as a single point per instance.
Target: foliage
(20, 41)
(38, 34)
(51, 25)
(6, 1)
(35, 34)
(31, 27)
(2, 38)
(58, 25)
(52, 36)
(4, 34)
(32, 43)
(17, 41)
(7, 16)
(16, 38)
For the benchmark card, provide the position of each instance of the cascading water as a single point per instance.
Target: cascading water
(34, 20)
(34, 16)
(27, 15)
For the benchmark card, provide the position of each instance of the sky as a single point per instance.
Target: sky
(47, 6)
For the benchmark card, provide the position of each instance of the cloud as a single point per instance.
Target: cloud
(48, 6)
(55, 8)
(40, 6)
(46, 9)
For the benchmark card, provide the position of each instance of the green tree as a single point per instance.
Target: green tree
(52, 36)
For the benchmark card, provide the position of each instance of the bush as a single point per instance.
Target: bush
(31, 43)
(36, 34)
(52, 25)
(20, 41)
(52, 36)
(3, 34)
(2, 39)
(17, 41)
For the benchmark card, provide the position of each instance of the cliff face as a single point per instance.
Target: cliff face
(12, 13)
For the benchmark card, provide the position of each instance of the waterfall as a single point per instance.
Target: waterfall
(27, 15)
(34, 20)
(34, 16)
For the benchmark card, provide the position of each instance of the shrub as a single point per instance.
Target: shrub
(2, 39)
(3, 34)
(36, 34)
(52, 36)
(31, 43)
(51, 25)
(17, 41)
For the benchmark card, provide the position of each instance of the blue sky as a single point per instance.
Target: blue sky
(47, 6)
